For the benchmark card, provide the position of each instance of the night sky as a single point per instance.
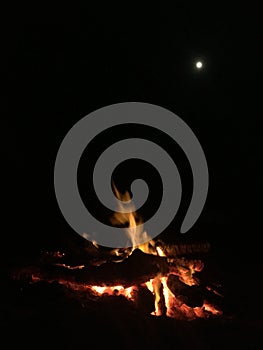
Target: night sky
(58, 72)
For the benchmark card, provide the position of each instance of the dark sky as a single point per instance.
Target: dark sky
(59, 71)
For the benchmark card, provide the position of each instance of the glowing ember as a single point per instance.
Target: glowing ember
(158, 287)
(212, 309)
(116, 290)
(79, 267)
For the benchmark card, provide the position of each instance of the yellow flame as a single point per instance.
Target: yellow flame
(160, 252)
(212, 309)
(95, 244)
(134, 224)
(155, 285)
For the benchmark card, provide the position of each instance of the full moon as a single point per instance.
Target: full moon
(199, 64)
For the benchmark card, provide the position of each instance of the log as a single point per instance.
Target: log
(190, 295)
(96, 255)
(143, 299)
(180, 249)
(138, 268)
(159, 297)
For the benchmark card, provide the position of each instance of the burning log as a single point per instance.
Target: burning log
(177, 250)
(155, 284)
(143, 299)
(92, 254)
(138, 268)
(189, 295)
(160, 307)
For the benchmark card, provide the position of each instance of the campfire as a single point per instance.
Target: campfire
(157, 278)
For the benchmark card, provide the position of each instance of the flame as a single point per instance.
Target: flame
(134, 224)
(168, 296)
(175, 308)
(160, 252)
(154, 285)
(212, 309)
(95, 244)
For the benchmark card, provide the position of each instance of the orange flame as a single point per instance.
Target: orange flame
(134, 224)
(154, 285)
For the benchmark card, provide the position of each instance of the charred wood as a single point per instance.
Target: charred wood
(177, 250)
(189, 295)
(143, 299)
(136, 269)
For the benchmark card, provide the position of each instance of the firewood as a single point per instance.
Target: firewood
(143, 299)
(138, 268)
(189, 295)
(178, 250)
